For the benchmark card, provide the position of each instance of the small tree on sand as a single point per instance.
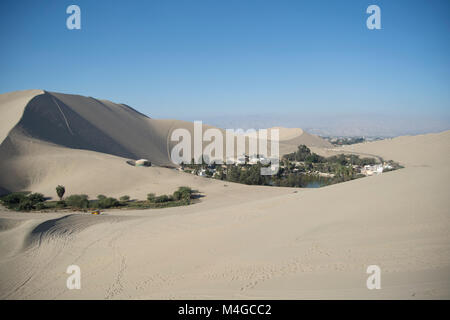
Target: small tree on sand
(151, 197)
(60, 190)
(124, 198)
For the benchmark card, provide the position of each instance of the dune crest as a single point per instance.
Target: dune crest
(248, 242)
(240, 241)
(287, 133)
(47, 137)
(12, 106)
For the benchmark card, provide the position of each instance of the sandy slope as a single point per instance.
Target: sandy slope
(100, 125)
(252, 242)
(238, 242)
(12, 106)
(51, 138)
(29, 164)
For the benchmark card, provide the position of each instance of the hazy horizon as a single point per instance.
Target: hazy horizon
(323, 124)
(313, 65)
(381, 125)
(111, 190)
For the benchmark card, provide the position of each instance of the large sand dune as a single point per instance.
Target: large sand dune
(239, 241)
(86, 123)
(45, 137)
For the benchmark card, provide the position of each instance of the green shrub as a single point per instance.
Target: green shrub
(124, 198)
(40, 206)
(177, 195)
(163, 198)
(13, 199)
(61, 204)
(36, 198)
(151, 197)
(25, 205)
(185, 189)
(78, 201)
(101, 197)
(105, 203)
(183, 193)
(20, 201)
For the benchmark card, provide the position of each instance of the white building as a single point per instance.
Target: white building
(240, 160)
(253, 160)
(369, 170)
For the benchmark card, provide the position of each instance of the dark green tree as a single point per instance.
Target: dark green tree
(60, 190)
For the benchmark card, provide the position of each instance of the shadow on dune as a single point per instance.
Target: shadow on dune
(8, 224)
(63, 228)
(4, 191)
(48, 118)
(197, 196)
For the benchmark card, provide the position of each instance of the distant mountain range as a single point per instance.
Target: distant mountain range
(379, 125)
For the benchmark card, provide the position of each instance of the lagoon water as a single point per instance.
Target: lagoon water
(315, 184)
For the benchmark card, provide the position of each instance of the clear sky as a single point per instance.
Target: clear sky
(194, 58)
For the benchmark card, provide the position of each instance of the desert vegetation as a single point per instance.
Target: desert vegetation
(302, 168)
(25, 201)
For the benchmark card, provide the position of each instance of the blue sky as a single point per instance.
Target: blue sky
(192, 59)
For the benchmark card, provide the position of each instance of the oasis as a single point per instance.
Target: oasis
(255, 141)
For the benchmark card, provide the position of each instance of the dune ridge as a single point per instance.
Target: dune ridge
(249, 242)
(43, 129)
(239, 242)
(12, 106)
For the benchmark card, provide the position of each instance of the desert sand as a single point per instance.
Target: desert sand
(239, 242)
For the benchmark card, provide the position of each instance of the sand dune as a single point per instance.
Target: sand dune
(99, 125)
(12, 106)
(288, 133)
(261, 243)
(238, 242)
(87, 123)
(46, 137)
(34, 165)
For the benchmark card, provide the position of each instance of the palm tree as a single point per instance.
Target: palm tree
(60, 190)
